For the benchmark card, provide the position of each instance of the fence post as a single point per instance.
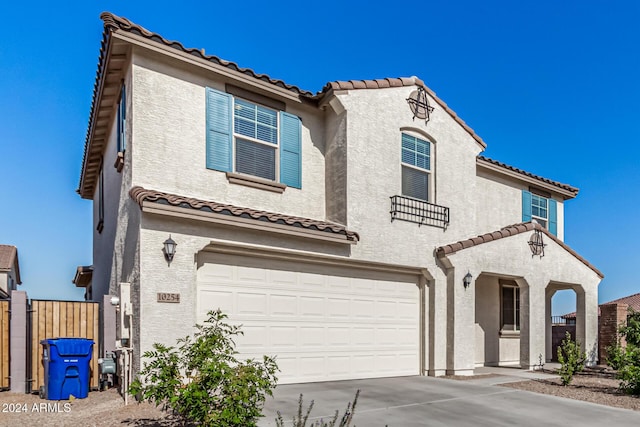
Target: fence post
(18, 346)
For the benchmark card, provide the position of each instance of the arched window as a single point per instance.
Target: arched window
(417, 164)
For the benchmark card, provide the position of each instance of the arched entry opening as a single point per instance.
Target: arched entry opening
(564, 312)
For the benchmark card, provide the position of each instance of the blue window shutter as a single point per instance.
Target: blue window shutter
(526, 206)
(553, 217)
(219, 132)
(290, 150)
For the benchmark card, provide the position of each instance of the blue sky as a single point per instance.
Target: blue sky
(552, 87)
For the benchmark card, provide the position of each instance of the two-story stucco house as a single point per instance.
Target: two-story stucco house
(351, 237)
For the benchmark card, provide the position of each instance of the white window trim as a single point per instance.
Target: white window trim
(543, 221)
(429, 172)
(276, 146)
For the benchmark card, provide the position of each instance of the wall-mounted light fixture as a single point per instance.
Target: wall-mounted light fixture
(169, 249)
(466, 280)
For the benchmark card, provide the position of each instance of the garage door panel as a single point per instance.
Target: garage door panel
(319, 327)
(211, 300)
(283, 305)
(251, 304)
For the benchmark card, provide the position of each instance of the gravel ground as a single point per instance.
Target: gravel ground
(594, 389)
(108, 409)
(99, 409)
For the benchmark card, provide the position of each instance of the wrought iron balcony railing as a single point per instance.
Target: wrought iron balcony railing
(418, 211)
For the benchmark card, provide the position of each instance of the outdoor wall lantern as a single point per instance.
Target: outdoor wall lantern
(466, 281)
(169, 249)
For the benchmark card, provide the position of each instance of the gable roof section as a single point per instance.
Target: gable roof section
(567, 190)
(9, 259)
(510, 230)
(399, 82)
(141, 195)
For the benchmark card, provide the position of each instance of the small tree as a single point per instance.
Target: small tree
(203, 382)
(571, 359)
(626, 359)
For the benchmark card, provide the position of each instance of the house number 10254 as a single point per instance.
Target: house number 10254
(167, 297)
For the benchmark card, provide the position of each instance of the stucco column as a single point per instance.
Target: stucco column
(461, 327)
(532, 322)
(549, 293)
(18, 345)
(437, 315)
(587, 322)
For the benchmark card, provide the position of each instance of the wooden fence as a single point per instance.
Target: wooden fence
(54, 319)
(4, 345)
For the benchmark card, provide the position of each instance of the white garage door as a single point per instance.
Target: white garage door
(320, 327)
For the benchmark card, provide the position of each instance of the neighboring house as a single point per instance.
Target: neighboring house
(9, 270)
(82, 279)
(611, 315)
(350, 238)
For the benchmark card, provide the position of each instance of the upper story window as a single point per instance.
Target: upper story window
(255, 131)
(416, 167)
(539, 209)
(542, 209)
(251, 139)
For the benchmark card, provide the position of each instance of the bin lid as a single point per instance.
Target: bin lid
(70, 346)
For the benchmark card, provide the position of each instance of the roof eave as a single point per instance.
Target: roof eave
(565, 192)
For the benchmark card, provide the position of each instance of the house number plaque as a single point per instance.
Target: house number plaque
(167, 297)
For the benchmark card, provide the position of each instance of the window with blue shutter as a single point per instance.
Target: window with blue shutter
(219, 131)
(252, 139)
(416, 167)
(290, 150)
(542, 209)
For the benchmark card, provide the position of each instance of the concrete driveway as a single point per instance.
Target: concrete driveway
(425, 401)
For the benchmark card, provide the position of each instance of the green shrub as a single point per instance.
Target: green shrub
(301, 421)
(203, 382)
(571, 359)
(626, 359)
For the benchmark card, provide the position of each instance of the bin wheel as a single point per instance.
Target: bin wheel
(41, 392)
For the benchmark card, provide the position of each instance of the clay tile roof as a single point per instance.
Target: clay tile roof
(566, 187)
(141, 195)
(113, 22)
(9, 259)
(510, 230)
(633, 301)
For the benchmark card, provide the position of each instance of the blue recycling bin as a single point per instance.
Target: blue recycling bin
(66, 367)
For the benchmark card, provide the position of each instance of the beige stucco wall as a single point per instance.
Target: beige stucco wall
(374, 123)
(170, 142)
(500, 202)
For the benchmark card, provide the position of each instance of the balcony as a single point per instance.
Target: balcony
(418, 211)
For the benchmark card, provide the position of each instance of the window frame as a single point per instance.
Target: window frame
(516, 327)
(542, 220)
(276, 147)
(429, 172)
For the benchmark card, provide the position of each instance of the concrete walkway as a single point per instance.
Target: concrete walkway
(426, 401)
